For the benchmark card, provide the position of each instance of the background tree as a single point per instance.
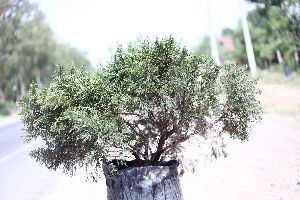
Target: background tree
(282, 23)
(204, 47)
(28, 50)
(274, 32)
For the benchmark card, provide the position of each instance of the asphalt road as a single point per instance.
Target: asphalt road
(21, 178)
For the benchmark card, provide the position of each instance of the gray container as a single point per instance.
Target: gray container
(149, 182)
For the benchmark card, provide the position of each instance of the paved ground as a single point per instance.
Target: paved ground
(21, 177)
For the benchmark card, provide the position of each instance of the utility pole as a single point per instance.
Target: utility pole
(213, 41)
(248, 42)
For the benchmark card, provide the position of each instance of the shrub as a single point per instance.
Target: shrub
(142, 106)
(5, 108)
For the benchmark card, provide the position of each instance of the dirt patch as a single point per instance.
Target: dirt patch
(265, 167)
(282, 100)
(280, 95)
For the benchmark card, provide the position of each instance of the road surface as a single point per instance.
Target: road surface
(21, 178)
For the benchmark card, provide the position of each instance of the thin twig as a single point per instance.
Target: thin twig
(210, 125)
(126, 113)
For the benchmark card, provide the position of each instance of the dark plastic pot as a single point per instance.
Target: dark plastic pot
(149, 182)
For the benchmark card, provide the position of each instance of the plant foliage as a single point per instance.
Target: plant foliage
(150, 98)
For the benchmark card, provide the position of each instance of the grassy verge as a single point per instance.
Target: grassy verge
(281, 95)
(277, 77)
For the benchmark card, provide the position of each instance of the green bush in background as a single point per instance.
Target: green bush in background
(5, 108)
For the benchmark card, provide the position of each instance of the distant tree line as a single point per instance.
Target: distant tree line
(28, 49)
(275, 32)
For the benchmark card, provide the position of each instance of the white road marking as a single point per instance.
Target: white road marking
(17, 152)
(9, 121)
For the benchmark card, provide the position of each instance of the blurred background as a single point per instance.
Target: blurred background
(38, 35)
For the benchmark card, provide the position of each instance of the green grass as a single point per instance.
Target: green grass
(281, 94)
(277, 76)
(5, 108)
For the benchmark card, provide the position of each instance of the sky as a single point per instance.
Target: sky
(98, 26)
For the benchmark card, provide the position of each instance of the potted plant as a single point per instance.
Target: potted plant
(133, 115)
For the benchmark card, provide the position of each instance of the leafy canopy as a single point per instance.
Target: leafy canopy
(151, 97)
(28, 49)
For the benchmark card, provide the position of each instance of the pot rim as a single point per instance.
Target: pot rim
(123, 167)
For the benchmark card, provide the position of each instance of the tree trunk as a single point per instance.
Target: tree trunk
(279, 57)
(296, 58)
(266, 63)
(22, 88)
(1, 95)
(147, 183)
